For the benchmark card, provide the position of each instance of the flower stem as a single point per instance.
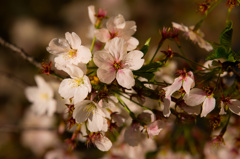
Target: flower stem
(135, 102)
(125, 106)
(228, 15)
(159, 45)
(225, 126)
(191, 61)
(197, 26)
(93, 42)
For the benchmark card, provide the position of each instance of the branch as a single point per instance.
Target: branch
(14, 79)
(17, 129)
(21, 52)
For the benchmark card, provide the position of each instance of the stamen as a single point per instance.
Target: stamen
(117, 65)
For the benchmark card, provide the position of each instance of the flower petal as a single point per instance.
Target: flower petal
(73, 39)
(234, 106)
(102, 35)
(80, 93)
(118, 48)
(115, 23)
(43, 86)
(125, 78)
(83, 110)
(132, 43)
(187, 84)
(96, 124)
(51, 107)
(195, 97)
(73, 71)
(129, 29)
(106, 76)
(180, 27)
(103, 143)
(84, 54)
(208, 106)
(103, 59)
(174, 87)
(58, 46)
(133, 60)
(31, 93)
(166, 109)
(67, 88)
(91, 14)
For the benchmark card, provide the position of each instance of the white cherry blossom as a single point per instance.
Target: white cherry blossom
(90, 112)
(195, 36)
(77, 87)
(198, 96)
(69, 50)
(118, 27)
(41, 97)
(103, 143)
(115, 62)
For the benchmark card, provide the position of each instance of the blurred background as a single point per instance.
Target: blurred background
(31, 24)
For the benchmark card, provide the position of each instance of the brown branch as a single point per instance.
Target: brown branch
(14, 79)
(16, 129)
(21, 52)
(26, 56)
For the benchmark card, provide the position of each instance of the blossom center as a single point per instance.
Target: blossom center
(77, 82)
(89, 109)
(44, 96)
(117, 65)
(113, 34)
(72, 53)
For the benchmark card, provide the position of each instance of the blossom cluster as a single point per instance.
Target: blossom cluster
(115, 89)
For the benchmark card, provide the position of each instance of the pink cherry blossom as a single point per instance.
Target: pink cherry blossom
(198, 96)
(118, 27)
(115, 62)
(195, 36)
(185, 80)
(233, 104)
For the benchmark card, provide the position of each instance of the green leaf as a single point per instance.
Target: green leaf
(226, 36)
(236, 55)
(147, 70)
(144, 49)
(219, 52)
(223, 50)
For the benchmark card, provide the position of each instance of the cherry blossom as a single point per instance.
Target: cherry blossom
(198, 96)
(115, 62)
(93, 16)
(90, 112)
(77, 87)
(195, 36)
(233, 105)
(103, 143)
(69, 50)
(41, 97)
(185, 80)
(118, 27)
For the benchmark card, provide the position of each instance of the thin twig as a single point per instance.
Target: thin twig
(21, 52)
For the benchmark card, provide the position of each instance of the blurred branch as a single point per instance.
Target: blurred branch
(26, 56)
(14, 79)
(16, 129)
(21, 52)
